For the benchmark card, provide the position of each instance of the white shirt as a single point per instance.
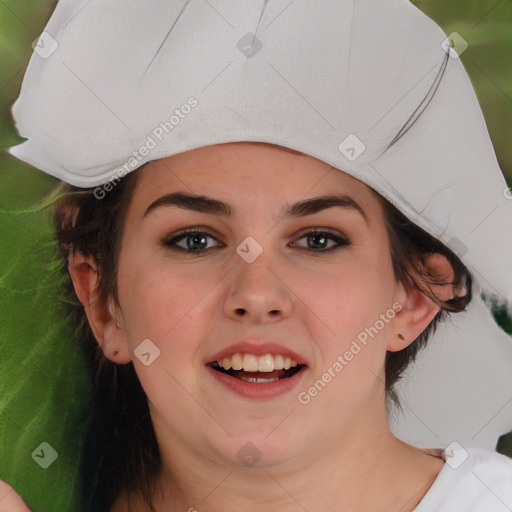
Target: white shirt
(471, 480)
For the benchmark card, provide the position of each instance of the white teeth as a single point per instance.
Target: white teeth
(253, 379)
(278, 362)
(237, 362)
(266, 363)
(252, 363)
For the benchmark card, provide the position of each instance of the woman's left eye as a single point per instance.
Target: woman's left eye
(320, 240)
(197, 241)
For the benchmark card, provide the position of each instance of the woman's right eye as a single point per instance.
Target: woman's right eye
(191, 241)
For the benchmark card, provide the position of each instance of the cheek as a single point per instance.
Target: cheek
(158, 301)
(355, 307)
(353, 348)
(351, 297)
(167, 307)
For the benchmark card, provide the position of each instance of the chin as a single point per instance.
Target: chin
(262, 451)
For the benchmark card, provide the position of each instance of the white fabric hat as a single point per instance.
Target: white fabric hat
(370, 87)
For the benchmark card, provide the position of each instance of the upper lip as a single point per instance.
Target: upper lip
(257, 348)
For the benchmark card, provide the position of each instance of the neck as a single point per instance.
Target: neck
(368, 468)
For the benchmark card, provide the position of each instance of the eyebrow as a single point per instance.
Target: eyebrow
(219, 208)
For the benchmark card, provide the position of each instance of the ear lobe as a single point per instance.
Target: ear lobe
(99, 313)
(417, 312)
(418, 309)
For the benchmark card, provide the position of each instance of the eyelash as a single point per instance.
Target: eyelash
(171, 243)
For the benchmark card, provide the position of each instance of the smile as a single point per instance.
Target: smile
(255, 376)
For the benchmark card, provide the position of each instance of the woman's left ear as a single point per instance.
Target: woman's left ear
(418, 310)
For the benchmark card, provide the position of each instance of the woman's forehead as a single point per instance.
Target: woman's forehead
(245, 168)
(249, 179)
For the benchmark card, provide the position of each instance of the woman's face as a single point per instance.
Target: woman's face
(255, 281)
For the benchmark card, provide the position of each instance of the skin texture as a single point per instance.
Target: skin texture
(335, 453)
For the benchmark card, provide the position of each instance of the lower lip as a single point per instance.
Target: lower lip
(258, 390)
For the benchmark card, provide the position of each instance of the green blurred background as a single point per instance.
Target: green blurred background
(485, 25)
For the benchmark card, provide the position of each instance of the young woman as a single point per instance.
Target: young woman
(250, 283)
(308, 284)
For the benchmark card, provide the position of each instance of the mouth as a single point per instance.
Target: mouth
(257, 369)
(253, 376)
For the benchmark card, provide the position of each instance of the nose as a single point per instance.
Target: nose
(257, 292)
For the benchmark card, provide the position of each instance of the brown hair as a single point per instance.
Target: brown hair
(122, 452)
